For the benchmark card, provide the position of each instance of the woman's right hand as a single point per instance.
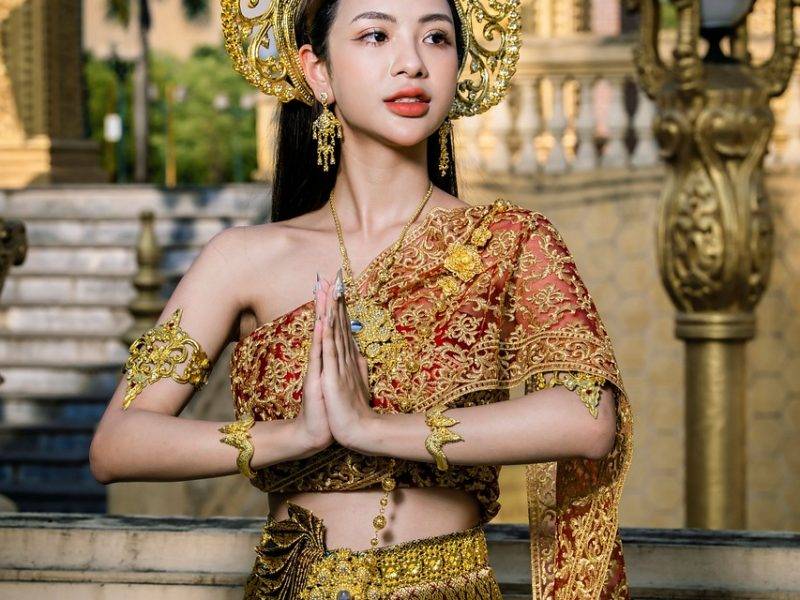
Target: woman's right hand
(312, 419)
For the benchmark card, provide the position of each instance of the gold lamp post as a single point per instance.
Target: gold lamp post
(715, 230)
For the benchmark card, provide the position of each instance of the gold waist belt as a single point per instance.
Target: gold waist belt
(294, 563)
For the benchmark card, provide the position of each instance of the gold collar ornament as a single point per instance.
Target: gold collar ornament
(260, 38)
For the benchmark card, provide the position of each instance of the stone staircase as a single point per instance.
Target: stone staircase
(63, 311)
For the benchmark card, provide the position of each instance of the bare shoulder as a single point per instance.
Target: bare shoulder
(277, 266)
(446, 200)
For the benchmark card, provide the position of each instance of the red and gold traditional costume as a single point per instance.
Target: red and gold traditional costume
(488, 297)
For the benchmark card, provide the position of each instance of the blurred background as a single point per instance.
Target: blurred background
(127, 140)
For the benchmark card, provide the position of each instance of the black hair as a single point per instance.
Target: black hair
(299, 184)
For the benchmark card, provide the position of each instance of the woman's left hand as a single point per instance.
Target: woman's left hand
(345, 377)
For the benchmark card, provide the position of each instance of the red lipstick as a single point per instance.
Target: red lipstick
(408, 102)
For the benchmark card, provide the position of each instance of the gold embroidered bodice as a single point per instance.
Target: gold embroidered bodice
(488, 297)
(267, 367)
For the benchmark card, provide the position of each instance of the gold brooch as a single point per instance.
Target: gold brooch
(463, 261)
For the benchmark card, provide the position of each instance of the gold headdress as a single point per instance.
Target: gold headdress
(260, 37)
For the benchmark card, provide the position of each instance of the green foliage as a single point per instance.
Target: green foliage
(207, 140)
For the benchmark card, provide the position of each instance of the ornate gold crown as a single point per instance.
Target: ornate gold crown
(260, 37)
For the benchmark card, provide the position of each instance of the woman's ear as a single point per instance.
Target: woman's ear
(315, 71)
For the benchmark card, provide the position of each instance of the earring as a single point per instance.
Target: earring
(325, 130)
(444, 158)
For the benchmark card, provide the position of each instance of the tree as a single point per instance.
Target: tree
(120, 10)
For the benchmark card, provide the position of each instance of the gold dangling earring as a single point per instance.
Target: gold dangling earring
(325, 130)
(444, 158)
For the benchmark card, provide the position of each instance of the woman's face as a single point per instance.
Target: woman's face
(380, 47)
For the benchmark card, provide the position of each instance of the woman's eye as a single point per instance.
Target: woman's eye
(441, 36)
(372, 33)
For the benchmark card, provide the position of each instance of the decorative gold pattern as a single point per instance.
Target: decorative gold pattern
(445, 129)
(440, 435)
(260, 39)
(526, 312)
(463, 261)
(325, 130)
(157, 352)
(293, 562)
(588, 387)
(237, 434)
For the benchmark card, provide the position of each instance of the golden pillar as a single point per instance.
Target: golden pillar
(41, 100)
(715, 231)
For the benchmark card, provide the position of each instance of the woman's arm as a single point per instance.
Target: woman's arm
(542, 426)
(143, 445)
(148, 441)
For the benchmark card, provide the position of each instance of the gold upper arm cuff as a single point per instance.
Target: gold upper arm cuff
(587, 386)
(157, 352)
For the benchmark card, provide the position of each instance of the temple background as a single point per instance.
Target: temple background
(62, 312)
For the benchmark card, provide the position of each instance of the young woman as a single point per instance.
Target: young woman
(379, 323)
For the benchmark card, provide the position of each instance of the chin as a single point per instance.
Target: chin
(409, 132)
(405, 141)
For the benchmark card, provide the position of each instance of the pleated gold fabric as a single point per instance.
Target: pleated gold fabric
(293, 562)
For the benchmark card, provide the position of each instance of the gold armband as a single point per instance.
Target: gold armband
(157, 352)
(588, 387)
(237, 434)
(439, 434)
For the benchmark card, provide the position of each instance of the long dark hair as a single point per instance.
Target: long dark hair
(299, 184)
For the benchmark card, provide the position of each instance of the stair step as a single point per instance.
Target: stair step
(90, 202)
(55, 409)
(74, 457)
(21, 322)
(74, 499)
(47, 427)
(118, 262)
(56, 351)
(62, 379)
(171, 234)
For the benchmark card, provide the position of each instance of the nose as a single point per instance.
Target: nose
(407, 59)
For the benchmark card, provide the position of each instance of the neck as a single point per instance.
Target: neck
(379, 187)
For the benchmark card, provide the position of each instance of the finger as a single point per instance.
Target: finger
(344, 329)
(352, 344)
(319, 307)
(341, 348)
(363, 369)
(315, 351)
(329, 357)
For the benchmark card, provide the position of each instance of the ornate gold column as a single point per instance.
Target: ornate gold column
(715, 229)
(41, 123)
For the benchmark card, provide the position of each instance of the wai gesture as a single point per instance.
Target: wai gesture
(336, 393)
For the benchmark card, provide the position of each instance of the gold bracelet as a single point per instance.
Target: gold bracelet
(238, 436)
(157, 352)
(439, 434)
(587, 386)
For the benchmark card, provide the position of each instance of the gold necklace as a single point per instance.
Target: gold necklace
(371, 320)
(375, 331)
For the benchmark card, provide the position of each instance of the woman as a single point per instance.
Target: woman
(380, 407)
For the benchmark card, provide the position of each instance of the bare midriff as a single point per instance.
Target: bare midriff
(412, 513)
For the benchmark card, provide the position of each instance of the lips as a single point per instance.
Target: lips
(409, 94)
(408, 102)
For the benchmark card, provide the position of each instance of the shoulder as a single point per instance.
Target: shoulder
(509, 216)
(271, 242)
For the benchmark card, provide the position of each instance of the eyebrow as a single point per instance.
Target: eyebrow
(372, 14)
